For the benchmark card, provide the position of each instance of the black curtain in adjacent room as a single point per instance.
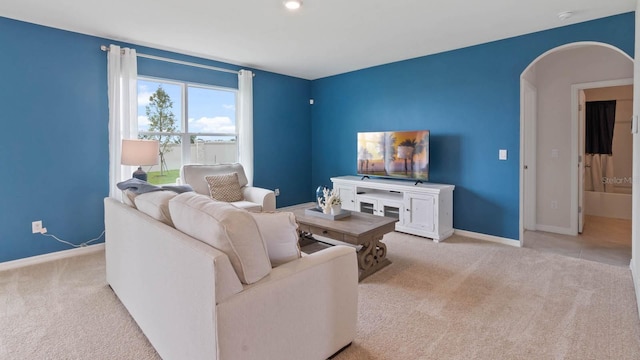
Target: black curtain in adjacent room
(600, 119)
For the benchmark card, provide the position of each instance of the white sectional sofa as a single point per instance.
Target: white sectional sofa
(190, 302)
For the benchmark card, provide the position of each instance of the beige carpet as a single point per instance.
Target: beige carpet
(461, 299)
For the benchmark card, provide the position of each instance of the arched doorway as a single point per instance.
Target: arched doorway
(550, 162)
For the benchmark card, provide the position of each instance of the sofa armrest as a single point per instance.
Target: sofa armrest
(264, 197)
(165, 279)
(308, 306)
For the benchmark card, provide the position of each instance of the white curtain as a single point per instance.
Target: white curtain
(123, 110)
(245, 122)
(598, 168)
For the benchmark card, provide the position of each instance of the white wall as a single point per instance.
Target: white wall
(554, 75)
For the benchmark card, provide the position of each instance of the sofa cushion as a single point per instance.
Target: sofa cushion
(224, 187)
(128, 198)
(280, 232)
(247, 205)
(156, 205)
(194, 175)
(225, 227)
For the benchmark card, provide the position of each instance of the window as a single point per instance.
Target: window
(195, 124)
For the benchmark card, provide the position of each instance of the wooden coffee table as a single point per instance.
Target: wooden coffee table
(359, 229)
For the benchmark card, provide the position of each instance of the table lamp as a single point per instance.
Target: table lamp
(140, 152)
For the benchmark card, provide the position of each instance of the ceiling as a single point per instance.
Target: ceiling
(323, 38)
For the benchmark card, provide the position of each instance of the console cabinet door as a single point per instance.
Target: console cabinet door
(348, 196)
(392, 209)
(420, 211)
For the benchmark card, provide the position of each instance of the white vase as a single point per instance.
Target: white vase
(336, 209)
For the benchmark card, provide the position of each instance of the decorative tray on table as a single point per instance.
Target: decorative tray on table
(317, 212)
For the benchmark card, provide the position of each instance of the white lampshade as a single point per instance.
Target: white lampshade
(140, 152)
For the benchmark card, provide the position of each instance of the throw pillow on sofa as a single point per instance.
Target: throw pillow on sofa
(280, 232)
(156, 205)
(129, 197)
(225, 187)
(225, 227)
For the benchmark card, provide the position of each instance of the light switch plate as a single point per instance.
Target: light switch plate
(502, 154)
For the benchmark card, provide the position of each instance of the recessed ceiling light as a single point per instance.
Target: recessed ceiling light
(292, 4)
(565, 15)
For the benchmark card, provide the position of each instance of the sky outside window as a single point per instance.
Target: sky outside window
(211, 111)
(146, 88)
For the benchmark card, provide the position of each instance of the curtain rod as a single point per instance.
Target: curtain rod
(180, 62)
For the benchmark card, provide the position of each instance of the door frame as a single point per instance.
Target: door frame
(528, 138)
(577, 127)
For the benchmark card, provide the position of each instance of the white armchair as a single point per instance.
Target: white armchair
(255, 198)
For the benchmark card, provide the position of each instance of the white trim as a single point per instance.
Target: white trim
(572, 45)
(485, 237)
(636, 282)
(187, 63)
(39, 259)
(528, 120)
(556, 229)
(529, 67)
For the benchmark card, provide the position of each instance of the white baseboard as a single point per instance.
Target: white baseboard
(39, 259)
(555, 229)
(636, 282)
(485, 237)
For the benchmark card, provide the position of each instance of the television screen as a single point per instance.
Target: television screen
(401, 154)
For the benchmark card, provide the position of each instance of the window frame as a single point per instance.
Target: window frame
(185, 135)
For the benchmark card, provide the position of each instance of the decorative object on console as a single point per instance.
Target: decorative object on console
(329, 199)
(138, 153)
(320, 194)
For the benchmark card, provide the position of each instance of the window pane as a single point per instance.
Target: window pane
(159, 106)
(211, 111)
(214, 149)
(168, 170)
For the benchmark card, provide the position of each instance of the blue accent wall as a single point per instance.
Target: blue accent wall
(469, 99)
(54, 152)
(54, 111)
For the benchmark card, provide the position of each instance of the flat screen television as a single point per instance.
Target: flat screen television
(394, 154)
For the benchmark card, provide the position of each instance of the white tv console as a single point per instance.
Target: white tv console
(422, 209)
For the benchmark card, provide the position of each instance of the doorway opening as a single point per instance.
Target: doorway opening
(553, 205)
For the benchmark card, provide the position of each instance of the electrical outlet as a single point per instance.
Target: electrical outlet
(36, 226)
(554, 204)
(277, 192)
